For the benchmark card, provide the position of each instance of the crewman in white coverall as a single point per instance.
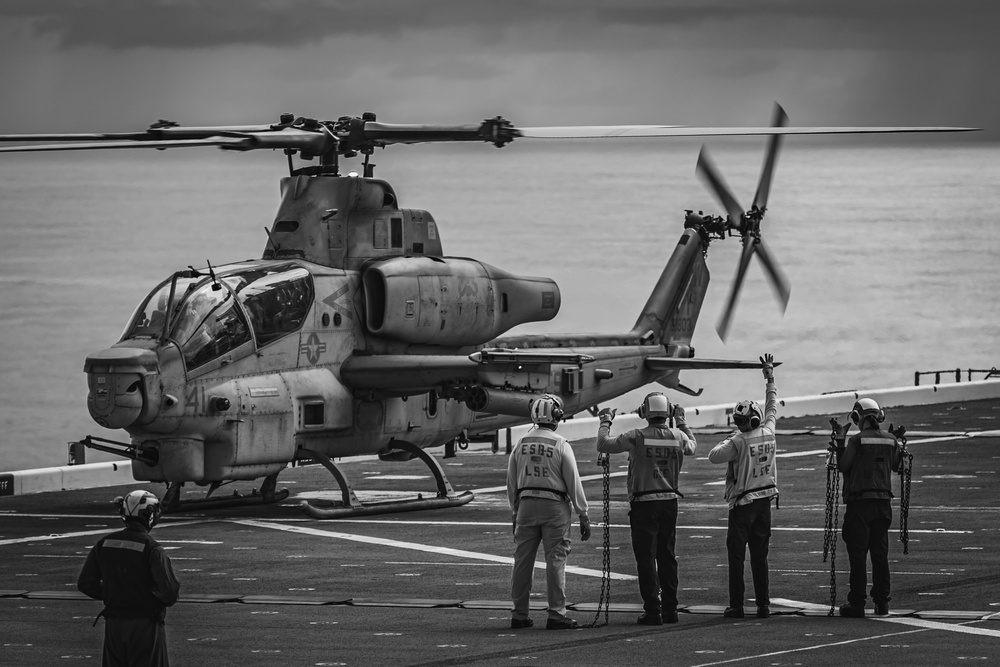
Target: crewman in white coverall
(751, 484)
(655, 456)
(543, 487)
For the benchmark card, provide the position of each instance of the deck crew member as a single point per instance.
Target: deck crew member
(867, 461)
(751, 484)
(543, 486)
(655, 455)
(131, 573)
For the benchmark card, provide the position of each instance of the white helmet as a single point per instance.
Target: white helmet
(547, 410)
(139, 505)
(654, 405)
(866, 407)
(747, 415)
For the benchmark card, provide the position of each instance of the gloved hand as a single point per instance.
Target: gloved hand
(607, 415)
(678, 415)
(899, 432)
(584, 527)
(767, 366)
(839, 432)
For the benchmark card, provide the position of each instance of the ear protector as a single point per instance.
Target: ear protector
(654, 405)
(747, 414)
(866, 407)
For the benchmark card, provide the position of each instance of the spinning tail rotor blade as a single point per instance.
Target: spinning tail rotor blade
(770, 158)
(779, 283)
(710, 174)
(722, 326)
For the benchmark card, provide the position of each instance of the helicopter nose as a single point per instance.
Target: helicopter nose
(117, 378)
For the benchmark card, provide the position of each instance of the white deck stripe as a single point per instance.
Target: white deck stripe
(937, 625)
(804, 648)
(85, 533)
(920, 623)
(429, 548)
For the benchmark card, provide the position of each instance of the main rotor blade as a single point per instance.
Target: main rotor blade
(710, 174)
(770, 158)
(152, 134)
(722, 326)
(779, 283)
(287, 138)
(169, 143)
(640, 131)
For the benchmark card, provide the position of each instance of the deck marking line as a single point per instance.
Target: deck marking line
(807, 648)
(85, 533)
(790, 529)
(459, 553)
(937, 625)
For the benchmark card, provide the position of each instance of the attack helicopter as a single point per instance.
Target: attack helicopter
(354, 334)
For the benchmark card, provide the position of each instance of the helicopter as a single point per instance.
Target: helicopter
(354, 334)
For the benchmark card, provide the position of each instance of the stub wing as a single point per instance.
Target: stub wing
(676, 364)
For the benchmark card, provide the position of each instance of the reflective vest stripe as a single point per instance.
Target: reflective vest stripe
(124, 544)
(543, 488)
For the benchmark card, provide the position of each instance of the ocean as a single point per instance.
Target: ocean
(891, 247)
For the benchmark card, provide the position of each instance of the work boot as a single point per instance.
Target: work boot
(519, 623)
(650, 619)
(851, 610)
(561, 624)
(733, 612)
(669, 615)
(882, 608)
(763, 611)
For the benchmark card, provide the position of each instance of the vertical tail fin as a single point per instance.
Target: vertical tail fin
(672, 310)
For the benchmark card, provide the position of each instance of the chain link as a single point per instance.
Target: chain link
(905, 474)
(830, 524)
(605, 600)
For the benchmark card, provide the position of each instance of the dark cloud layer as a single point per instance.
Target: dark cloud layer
(708, 62)
(711, 24)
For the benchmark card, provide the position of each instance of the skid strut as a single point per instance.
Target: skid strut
(350, 505)
(267, 494)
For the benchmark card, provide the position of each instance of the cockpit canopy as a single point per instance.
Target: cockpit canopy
(210, 316)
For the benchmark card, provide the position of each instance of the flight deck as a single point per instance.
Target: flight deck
(268, 585)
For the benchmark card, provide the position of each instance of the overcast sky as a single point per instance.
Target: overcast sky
(117, 65)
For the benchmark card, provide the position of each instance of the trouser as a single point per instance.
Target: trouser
(134, 641)
(654, 536)
(866, 532)
(540, 520)
(749, 526)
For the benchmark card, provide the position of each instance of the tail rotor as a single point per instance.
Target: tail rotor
(746, 223)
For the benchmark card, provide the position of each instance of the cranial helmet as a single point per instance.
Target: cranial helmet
(139, 505)
(747, 415)
(654, 405)
(866, 407)
(547, 410)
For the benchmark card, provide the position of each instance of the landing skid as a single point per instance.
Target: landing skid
(265, 496)
(350, 506)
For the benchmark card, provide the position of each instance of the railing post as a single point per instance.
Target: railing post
(958, 375)
(916, 378)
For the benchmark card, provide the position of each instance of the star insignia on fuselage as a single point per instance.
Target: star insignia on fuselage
(312, 348)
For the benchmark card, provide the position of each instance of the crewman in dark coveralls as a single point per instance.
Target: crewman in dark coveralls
(131, 573)
(867, 460)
